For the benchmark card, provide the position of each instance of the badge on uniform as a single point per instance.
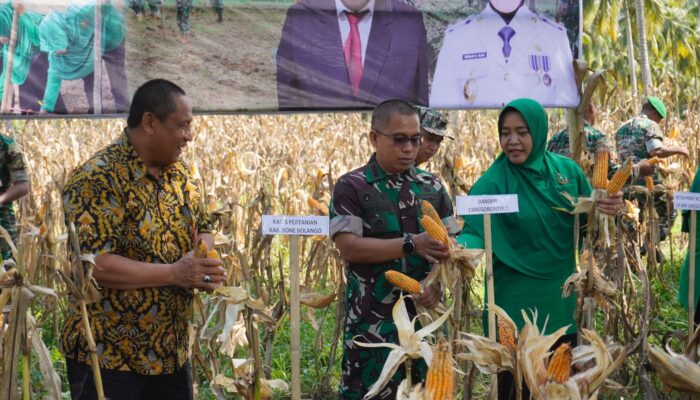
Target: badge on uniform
(540, 64)
(469, 90)
(563, 180)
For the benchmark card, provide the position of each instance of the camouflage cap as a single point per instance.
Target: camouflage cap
(658, 105)
(433, 121)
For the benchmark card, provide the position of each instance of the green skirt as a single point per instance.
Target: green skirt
(515, 291)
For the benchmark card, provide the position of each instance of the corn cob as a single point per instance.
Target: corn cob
(459, 163)
(618, 180)
(213, 254)
(506, 334)
(317, 206)
(600, 169)
(650, 183)
(559, 369)
(200, 249)
(653, 160)
(436, 230)
(403, 282)
(440, 379)
(429, 210)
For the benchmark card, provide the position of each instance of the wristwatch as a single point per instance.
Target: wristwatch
(408, 246)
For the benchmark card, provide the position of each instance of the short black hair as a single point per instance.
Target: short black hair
(156, 96)
(383, 111)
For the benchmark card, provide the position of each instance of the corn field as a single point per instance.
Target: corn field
(249, 166)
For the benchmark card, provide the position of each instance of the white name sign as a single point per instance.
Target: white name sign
(686, 201)
(295, 225)
(487, 204)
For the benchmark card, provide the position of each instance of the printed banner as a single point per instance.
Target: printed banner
(308, 55)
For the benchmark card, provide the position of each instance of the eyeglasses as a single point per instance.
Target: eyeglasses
(401, 140)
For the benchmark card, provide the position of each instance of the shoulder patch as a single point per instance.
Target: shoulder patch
(553, 24)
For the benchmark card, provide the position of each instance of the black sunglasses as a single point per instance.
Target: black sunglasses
(401, 140)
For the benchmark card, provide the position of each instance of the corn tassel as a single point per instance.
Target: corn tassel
(618, 180)
(436, 230)
(650, 183)
(403, 282)
(506, 334)
(600, 169)
(559, 369)
(440, 379)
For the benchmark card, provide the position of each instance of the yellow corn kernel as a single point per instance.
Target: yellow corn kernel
(650, 183)
(200, 249)
(213, 254)
(618, 180)
(317, 206)
(506, 334)
(403, 282)
(600, 169)
(559, 369)
(436, 230)
(440, 379)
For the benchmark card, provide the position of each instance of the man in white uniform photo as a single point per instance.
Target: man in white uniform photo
(504, 52)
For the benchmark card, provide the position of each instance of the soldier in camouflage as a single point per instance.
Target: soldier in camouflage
(433, 127)
(139, 7)
(641, 138)
(595, 140)
(14, 184)
(374, 223)
(183, 18)
(218, 6)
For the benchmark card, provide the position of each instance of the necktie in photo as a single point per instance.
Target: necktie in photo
(506, 33)
(353, 50)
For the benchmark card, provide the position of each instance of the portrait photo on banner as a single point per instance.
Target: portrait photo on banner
(305, 55)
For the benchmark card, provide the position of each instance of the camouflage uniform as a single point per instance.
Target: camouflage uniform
(12, 170)
(139, 6)
(595, 140)
(369, 203)
(183, 15)
(636, 139)
(218, 6)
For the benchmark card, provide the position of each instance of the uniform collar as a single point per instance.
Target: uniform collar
(340, 7)
(374, 172)
(523, 14)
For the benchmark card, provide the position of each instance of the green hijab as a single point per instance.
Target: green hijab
(683, 289)
(538, 240)
(27, 42)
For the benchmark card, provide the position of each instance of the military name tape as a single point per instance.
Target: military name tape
(487, 204)
(686, 201)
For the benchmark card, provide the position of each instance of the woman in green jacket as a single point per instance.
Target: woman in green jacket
(533, 250)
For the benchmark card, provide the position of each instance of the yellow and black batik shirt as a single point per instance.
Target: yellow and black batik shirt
(118, 207)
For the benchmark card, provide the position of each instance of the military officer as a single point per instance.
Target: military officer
(433, 127)
(504, 52)
(641, 138)
(374, 224)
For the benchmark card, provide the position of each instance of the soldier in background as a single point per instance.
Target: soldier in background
(14, 184)
(139, 7)
(433, 127)
(218, 6)
(183, 18)
(641, 138)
